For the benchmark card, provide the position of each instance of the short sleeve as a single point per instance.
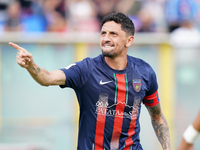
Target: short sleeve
(77, 74)
(151, 98)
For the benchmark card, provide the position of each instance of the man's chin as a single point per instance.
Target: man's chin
(107, 54)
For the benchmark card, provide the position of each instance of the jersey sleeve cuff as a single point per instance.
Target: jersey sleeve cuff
(63, 86)
(151, 100)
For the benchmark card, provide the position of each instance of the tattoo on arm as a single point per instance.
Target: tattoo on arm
(160, 126)
(36, 70)
(62, 71)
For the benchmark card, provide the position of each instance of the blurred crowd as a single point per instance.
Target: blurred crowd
(86, 15)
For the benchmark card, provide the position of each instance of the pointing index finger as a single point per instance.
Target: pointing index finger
(16, 47)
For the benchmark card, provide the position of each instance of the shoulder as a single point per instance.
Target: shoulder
(97, 59)
(143, 68)
(88, 63)
(85, 62)
(147, 74)
(92, 60)
(139, 63)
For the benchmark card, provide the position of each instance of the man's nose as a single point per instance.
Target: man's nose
(107, 37)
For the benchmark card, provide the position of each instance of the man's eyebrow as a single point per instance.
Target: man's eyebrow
(112, 31)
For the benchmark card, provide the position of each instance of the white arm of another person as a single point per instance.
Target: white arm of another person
(190, 135)
(40, 75)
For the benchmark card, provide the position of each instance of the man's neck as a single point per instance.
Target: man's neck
(118, 63)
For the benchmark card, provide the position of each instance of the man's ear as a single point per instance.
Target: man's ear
(129, 41)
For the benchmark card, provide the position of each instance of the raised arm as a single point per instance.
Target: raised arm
(160, 126)
(40, 75)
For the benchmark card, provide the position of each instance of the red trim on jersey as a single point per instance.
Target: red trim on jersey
(131, 132)
(100, 124)
(151, 100)
(121, 97)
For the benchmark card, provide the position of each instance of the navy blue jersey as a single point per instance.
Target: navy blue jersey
(110, 101)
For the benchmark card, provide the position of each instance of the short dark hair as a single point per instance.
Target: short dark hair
(126, 23)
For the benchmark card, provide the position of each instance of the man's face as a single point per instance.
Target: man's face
(113, 39)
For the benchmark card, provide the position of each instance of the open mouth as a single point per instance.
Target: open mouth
(108, 45)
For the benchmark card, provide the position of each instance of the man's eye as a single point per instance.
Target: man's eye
(114, 33)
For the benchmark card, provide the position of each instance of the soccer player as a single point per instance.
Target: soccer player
(110, 90)
(190, 135)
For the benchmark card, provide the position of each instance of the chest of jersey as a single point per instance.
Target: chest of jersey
(116, 94)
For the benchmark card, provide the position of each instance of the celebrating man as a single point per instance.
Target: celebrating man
(110, 90)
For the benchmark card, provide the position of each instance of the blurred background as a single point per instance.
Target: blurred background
(60, 32)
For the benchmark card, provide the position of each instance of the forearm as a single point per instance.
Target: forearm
(160, 126)
(190, 135)
(185, 146)
(40, 75)
(162, 131)
(196, 123)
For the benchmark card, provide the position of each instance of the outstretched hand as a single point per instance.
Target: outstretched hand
(23, 58)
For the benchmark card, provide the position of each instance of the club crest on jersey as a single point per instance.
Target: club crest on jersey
(137, 84)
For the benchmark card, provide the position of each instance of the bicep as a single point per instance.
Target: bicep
(57, 77)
